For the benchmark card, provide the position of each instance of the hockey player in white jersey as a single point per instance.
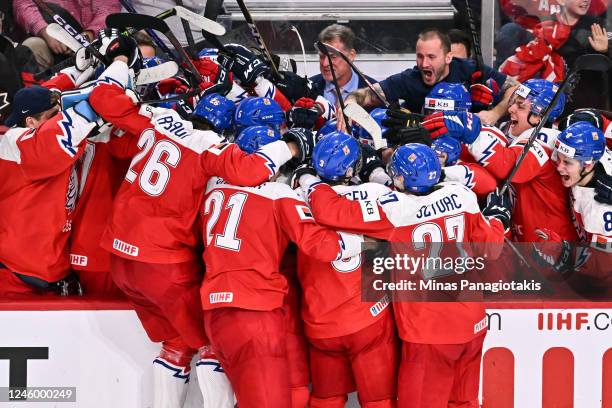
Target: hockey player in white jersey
(580, 154)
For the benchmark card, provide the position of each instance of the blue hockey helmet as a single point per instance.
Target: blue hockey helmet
(254, 137)
(259, 111)
(216, 110)
(208, 52)
(327, 128)
(447, 96)
(378, 115)
(581, 141)
(540, 93)
(150, 62)
(448, 145)
(419, 166)
(334, 155)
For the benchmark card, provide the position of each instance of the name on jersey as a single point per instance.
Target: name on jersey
(356, 195)
(444, 205)
(221, 297)
(379, 306)
(124, 247)
(78, 260)
(172, 126)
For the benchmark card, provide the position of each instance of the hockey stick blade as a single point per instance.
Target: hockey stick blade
(378, 94)
(61, 35)
(199, 21)
(157, 73)
(124, 20)
(593, 62)
(359, 115)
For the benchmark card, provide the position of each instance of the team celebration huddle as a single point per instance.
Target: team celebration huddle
(230, 200)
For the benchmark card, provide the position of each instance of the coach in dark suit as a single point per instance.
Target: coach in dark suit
(342, 38)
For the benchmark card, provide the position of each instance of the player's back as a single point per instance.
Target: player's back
(332, 303)
(244, 244)
(156, 206)
(448, 214)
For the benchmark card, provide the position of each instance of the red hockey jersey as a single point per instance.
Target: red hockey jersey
(246, 232)
(448, 214)
(331, 291)
(155, 209)
(540, 200)
(38, 194)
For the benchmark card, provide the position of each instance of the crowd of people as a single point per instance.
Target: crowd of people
(231, 205)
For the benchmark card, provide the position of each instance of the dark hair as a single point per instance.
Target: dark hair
(430, 33)
(460, 37)
(142, 38)
(340, 32)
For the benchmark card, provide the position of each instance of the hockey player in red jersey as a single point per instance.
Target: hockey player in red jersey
(580, 154)
(540, 197)
(354, 344)
(446, 96)
(246, 231)
(152, 234)
(440, 367)
(38, 192)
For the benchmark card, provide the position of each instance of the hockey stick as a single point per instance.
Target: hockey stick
(157, 73)
(258, 39)
(188, 34)
(69, 29)
(123, 20)
(158, 41)
(57, 32)
(363, 119)
(295, 30)
(62, 36)
(475, 37)
(325, 51)
(592, 62)
(378, 94)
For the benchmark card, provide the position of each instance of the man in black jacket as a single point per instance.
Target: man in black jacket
(342, 38)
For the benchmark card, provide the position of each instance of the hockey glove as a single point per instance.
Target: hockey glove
(368, 162)
(603, 185)
(304, 113)
(463, 126)
(246, 66)
(127, 47)
(295, 87)
(304, 140)
(398, 117)
(499, 206)
(552, 251)
(216, 78)
(299, 172)
(483, 93)
(411, 134)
